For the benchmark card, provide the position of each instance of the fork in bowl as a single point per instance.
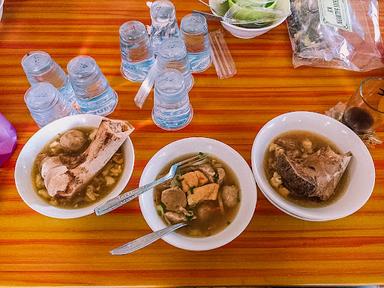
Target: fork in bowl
(122, 199)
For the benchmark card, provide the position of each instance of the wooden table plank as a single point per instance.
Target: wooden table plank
(274, 249)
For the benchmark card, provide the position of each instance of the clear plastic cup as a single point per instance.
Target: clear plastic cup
(92, 90)
(365, 109)
(163, 23)
(173, 54)
(172, 109)
(194, 31)
(40, 67)
(136, 52)
(46, 103)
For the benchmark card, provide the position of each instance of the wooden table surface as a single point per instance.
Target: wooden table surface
(274, 249)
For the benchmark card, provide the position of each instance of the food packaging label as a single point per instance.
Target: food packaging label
(335, 13)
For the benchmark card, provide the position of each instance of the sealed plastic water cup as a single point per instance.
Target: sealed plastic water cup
(194, 30)
(40, 67)
(136, 52)
(173, 54)
(46, 103)
(172, 109)
(163, 23)
(93, 93)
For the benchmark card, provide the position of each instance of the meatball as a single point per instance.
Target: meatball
(230, 195)
(73, 140)
(207, 210)
(174, 199)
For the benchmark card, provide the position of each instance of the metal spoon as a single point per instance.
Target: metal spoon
(145, 240)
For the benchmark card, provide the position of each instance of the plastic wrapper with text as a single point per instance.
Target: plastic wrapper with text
(342, 34)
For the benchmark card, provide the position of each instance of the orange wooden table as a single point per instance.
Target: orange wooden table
(274, 249)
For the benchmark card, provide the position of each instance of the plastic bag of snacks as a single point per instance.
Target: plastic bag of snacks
(342, 34)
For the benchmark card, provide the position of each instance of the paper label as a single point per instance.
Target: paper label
(335, 13)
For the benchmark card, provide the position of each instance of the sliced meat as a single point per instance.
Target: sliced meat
(209, 171)
(174, 217)
(174, 198)
(220, 175)
(55, 175)
(73, 140)
(317, 176)
(206, 192)
(110, 135)
(230, 195)
(192, 180)
(207, 210)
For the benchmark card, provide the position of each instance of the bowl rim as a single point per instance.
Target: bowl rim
(199, 243)
(286, 206)
(56, 212)
(274, 25)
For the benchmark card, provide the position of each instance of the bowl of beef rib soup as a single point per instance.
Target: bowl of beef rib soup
(312, 167)
(74, 164)
(215, 194)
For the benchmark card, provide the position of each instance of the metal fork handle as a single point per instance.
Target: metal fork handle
(145, 240)
(122, 199)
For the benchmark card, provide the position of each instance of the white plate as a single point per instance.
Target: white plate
(24, 165)
(223, 152)
(361, 178)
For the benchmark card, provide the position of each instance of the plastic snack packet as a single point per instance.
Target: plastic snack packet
(343, 34)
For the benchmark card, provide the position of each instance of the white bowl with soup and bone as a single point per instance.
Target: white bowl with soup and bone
(216, 197)
(312, 167)
(74, 164)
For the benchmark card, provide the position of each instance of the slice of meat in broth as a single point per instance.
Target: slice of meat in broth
(206, 192)
(316, 176)
(174, 217)
(221, 175)
(209, 171)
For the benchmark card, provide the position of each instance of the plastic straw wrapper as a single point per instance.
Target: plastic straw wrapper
(146, 86)
(221, 56)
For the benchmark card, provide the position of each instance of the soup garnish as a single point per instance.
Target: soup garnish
(206, 196)
(305, 168)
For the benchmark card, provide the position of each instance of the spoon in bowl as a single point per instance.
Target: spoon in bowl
(145, 240)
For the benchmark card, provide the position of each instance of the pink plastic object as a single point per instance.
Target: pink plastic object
(8, 139)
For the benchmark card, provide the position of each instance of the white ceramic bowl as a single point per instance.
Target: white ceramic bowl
(248, 33)
(35, 144)
(361, 177)
(226, 154)
(1, 8)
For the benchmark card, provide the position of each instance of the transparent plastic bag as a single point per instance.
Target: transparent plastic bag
(343, 34)
(254, 13)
